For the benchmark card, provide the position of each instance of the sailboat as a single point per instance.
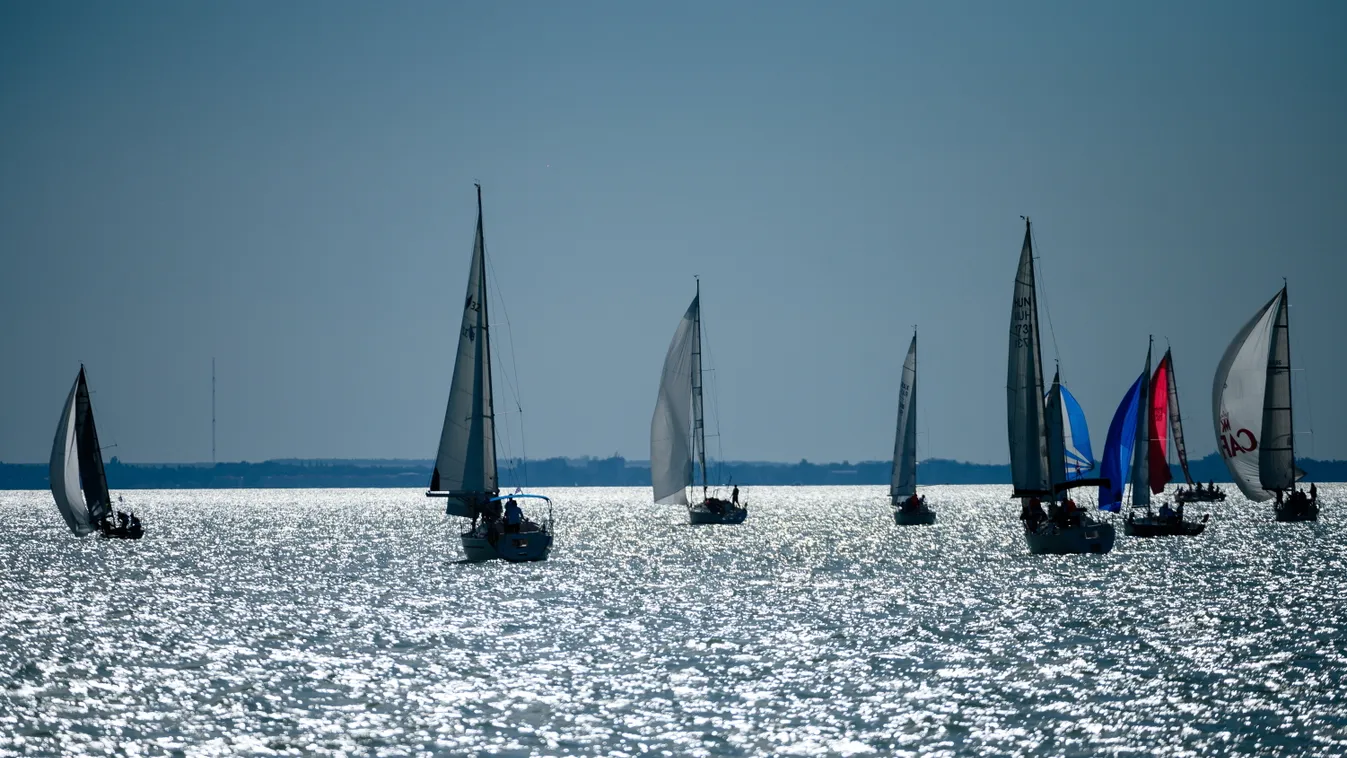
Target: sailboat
(1037, 435)
(465, 464)
(78, 482)
(678, 431)
(1165, 410)
(909, 510)
(1137, 436)
(1252, 411)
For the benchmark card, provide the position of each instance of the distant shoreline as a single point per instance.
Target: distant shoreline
(555, 472)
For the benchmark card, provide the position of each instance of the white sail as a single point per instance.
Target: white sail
(1141, 451)
(1276, 451)
(1024, 384)
(671, 426)
(904, 480)
(465, 464)
(65, 470)
(1237, 399)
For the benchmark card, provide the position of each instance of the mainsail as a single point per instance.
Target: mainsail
(1165, 412)
(1141, 491)
(1024, 385)
(1241, 404)
(671, 427)
(904, 480)
(465, 465)
(1277, 454)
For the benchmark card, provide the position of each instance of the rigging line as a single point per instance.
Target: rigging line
(1057, 354)
(514, 367)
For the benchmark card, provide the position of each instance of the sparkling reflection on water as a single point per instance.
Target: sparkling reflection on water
(340, 622)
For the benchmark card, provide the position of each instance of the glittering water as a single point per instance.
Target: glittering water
(340, 622)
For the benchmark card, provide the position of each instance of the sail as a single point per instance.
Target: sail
(1122, 432)
(1078, 456)
(1276, 455)
(670, 428)
(65, 468)
(904, 481)
(1024, 385)
(1141, 491)
(1160, 474)
(1053, 418)
(465, 463)
(92, 476)
(1175, 418)
(1237, 399)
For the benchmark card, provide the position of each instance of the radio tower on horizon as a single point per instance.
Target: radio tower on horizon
(212, 411)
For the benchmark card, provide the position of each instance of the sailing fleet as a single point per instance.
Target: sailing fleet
(1050, 453)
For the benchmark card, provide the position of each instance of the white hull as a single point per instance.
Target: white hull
(923, 517)
(1088, 537)
(519, 547)
(702, 515)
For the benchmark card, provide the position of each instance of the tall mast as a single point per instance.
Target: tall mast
(698, 420)
(1290, 412)
(1038, 349)
(486, 336)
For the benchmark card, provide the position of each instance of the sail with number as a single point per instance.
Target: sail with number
(1251, 404)
(903, 483)
(79, 483)
(1024, 385)
(465, 464)
(671, 427)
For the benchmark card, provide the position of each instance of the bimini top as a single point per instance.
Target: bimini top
(516, 497)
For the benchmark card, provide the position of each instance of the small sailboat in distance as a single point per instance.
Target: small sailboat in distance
(465, 464)
(909, 510)
(78, 482)
(1252, 411)
(1037, 435)
(678, 430)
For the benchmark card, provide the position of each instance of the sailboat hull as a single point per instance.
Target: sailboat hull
(922, 517)
(519, 547)
(1147, 526)
(133, 532)
(1088, 537)
(716, 511)
(1307, 511)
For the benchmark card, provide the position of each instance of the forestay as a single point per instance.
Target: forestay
(670, 428)
(903, 483)
(1024, 384)
(1238, 399)
(465, 465)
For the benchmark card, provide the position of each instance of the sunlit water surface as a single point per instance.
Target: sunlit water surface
(324, 622)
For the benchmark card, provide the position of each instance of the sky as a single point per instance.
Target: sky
(287, 188)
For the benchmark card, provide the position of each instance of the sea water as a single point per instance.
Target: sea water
(341, 622)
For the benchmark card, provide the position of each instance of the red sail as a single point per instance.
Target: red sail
(1159, 426)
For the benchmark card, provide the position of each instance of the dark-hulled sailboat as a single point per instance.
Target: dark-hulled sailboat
(1037, 435)
(78, 482)
(909, 509)
(678, 429)
(465, 464)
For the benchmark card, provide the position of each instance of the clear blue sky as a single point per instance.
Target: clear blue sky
(288, 187)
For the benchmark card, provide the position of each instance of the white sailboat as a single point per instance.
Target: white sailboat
(79, 483)
(465, 464)
(909, 509)
(1037, 436)
(678, 432)
(1252, 411)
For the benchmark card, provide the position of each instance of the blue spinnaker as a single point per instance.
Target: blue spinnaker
(1122, 435)
(1079, 456)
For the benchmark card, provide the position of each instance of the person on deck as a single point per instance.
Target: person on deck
(1314, 493)
(1032, 513)
(1166, 512)
(734, 496)
(513, 516)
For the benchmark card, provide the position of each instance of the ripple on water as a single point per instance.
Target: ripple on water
(298, 622)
